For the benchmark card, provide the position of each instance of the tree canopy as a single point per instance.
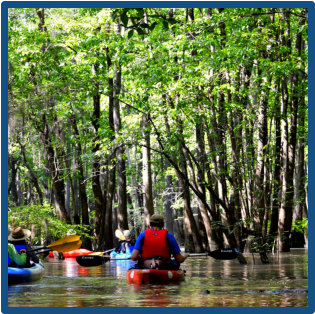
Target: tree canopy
(199, 114)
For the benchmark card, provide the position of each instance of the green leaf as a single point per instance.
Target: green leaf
(124, 18)
(140, 31)
(130, 33)
(165, 25)
(152, 26)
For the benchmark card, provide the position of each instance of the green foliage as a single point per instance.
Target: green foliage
(300, 225)
(42, 217)
(211, 71)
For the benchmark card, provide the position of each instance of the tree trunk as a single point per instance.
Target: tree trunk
(288, 154)
(169, 220)
(99, 202)
(259, 188)
(13, 165)
(120, 166)
(273, 230)
(111, 181)
(146, 172)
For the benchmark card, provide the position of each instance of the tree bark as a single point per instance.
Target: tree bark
(120, 166)
(146, 172)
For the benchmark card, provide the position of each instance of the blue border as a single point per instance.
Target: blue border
(139, 4)
(157, 4)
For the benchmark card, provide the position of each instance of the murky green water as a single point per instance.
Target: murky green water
(208, 283)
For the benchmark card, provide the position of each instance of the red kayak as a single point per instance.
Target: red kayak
(139, 276)
(74, 253)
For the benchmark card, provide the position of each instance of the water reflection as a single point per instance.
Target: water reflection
(119, 268)
(208, 283)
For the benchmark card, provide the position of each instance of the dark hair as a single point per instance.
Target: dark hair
(156, 224)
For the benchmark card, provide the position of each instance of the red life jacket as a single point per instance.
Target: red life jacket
(155, 244)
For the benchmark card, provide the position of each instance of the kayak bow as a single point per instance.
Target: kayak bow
(143, 276)
(20, 275)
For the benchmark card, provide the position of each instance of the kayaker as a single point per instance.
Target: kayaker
(124, 246)
(155, 246)
(18, 248)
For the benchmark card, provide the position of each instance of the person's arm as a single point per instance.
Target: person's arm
(33, 256)
(19, 259)
(135, 255)
(179, 258)
(117, 248)
(175, 249)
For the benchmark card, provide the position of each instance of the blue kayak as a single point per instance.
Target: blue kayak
(117, 255)
(20, 275)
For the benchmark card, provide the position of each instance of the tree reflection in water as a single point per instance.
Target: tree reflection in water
(208, 283)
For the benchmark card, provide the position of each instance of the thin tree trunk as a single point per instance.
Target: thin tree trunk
(120, 166)
(146, 172)
(288, 154)
(169, 220)
(99, 202)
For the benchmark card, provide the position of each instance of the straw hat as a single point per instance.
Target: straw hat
(19, 234)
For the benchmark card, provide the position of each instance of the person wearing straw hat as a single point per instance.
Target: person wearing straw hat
(155, 246)
(18, 248)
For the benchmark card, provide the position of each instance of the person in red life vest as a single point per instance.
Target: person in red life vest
(18, 247)
(155, 246)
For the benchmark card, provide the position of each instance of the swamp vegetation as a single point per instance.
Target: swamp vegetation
(199, 114)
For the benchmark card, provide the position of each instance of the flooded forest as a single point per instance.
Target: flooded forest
(196, 114)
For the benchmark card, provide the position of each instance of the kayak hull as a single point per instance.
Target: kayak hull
(20, 275)
(118, 255)
(115, 255)
(73, 253)
(143, 276)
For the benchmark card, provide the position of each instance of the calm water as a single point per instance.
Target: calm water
(208, 283)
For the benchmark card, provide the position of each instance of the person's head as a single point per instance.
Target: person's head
(157, 221)
(127, 234)
(19, 235)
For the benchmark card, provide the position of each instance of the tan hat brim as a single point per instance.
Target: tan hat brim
(27, 234)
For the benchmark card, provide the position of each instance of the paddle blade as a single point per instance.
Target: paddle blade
(120, 235)
(69, 239)
(91, 260)
(67, 246)
(224, 254)
(97, 254)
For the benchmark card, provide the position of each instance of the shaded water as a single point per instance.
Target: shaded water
(208, 283)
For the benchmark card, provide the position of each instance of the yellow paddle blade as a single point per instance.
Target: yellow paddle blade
(69, 239)
(120, 235)
(66, 246)
(97, 254)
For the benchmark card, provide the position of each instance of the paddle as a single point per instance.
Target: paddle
(62, 245)
(120, 235)
(221, 254)
(91, 260)
(94, 260)
(100, 253)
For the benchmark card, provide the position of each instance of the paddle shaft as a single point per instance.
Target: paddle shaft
(120, 259)
(109, 250)
(198, 254)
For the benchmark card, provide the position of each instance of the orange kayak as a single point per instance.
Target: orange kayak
(73, 253)
(140, 276)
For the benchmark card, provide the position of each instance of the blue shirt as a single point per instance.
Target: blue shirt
(172, 243)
